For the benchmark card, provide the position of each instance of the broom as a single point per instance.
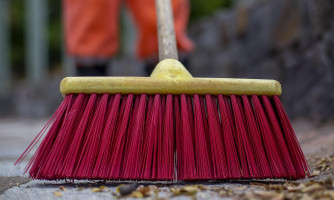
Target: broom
(142, 128)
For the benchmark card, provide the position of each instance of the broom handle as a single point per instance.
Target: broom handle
(166, 33)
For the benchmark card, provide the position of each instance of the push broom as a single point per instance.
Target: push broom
(142, 128)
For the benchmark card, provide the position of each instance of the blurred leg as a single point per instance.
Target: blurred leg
(144, 15)
(91, 32)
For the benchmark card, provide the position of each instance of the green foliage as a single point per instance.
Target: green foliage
(17, 34)
(201, 8)
(54, 33)
(17, 53)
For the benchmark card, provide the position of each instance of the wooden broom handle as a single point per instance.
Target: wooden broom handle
(166, 34)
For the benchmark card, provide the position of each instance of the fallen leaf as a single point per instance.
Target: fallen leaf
(329, 193)
(315, 173)
(145, 191)
(99, 189)
(306, 197)
(57, 194)
(153, 187)
(62, 188)
(80, 188)
(279, 197)
(266, 194)
(312, 188)
(176, 191)
(241, 188)
(190, 189)
(137, 194)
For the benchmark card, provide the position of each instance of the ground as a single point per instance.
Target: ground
(317, 142)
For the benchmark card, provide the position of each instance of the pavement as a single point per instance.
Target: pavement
(317, 142)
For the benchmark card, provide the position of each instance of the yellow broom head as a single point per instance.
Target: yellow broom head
(169, 77)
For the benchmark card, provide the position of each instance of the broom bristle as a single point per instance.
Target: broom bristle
(147, 137)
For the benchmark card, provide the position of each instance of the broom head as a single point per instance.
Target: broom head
(169, 126)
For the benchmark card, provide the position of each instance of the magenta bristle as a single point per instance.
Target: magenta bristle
(166, 167)
(187, 169)
(228, 140)
(37, 164)
(119, 139)
(292, 143)
(72, 157)
(131, 169)
(202, 155)
(150, 150)
(145, 137)
(270, 145)
(255, 139)
(220, 170)
(276, 129)
(245, 151)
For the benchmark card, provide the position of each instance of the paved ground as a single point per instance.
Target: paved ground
(317, 141)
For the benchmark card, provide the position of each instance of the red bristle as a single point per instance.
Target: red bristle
(255, 139)
(232, 161)
(159, 133)
(129, 137)
(167, 158)
(55, 160)
(274, 159)
(276, 129)
(177, 135)
(206, 131)
(187, 155)
(203, 158)
(135, 139)
(191, 115)
(297, 156)
(38, 162)
(150, 159)
(220, 169)
(74, 152)
(90, 148)
(139, 137)
(119, 139)
(102, 164)
(244, 148)
(60, 109)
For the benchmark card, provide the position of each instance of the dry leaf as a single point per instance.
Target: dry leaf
(241, 188)
(190, 189)
(306, 197)
(176, 191)
(266, 194)
(225, 193)
(279, 197)
(187, 190)
(145, 191)
(62, 188)
(312, 188)
(315, 173)
(80, 188)
(329, 193)
(153, 187)
(137, 194)
(57, 194)
(99, 189)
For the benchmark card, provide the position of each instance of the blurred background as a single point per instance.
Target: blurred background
(291, 41)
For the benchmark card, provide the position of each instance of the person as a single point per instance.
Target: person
(92, 32)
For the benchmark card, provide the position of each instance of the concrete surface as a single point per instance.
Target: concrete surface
(16, 134)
